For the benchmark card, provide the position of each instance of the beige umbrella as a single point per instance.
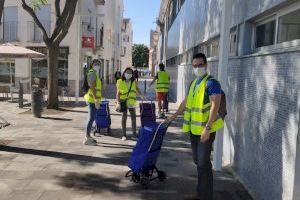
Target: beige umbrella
(8, 50)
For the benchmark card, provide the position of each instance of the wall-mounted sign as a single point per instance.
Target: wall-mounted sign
(88, 42)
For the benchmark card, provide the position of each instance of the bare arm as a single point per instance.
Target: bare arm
(93, 88)
(215, 105)
(118, 95)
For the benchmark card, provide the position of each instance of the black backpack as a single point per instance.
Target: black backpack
(85, 85)
(222, 109)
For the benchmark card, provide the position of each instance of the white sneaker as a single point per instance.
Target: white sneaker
(90, 141)
(124, 138)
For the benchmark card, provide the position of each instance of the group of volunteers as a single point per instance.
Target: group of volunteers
(127, 91)
(200, 110)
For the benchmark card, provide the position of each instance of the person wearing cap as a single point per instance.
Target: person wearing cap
(93, 99)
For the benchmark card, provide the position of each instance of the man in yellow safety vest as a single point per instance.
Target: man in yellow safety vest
(201, 121)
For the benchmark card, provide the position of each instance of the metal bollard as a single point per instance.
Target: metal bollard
(145, 86)
(20, 95)
(36, 103)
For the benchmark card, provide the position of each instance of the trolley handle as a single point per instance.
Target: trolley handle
(156, 132)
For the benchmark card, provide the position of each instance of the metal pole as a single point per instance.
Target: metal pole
(10, 77)
(222, 76)
(77, 82)
(20, 95)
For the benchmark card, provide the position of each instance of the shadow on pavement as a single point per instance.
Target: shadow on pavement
(112, 144)
(115, 159)
(71, 110)
(56, 118)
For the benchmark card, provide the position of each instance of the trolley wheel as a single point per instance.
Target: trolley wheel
(161, 175)
(135, 178)
(109, 131)
(145, 182)
(95, 131)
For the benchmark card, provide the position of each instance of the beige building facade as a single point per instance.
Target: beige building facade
(127, 36)
(96, 20)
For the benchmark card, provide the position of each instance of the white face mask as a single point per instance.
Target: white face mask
(128, 76)
(199, 71)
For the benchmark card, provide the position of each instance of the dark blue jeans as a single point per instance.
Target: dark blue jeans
(201, 156)
(91, 118)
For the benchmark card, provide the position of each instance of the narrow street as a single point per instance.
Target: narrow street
(45, 159)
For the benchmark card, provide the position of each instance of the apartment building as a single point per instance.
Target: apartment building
(95, 33)
(153, 59)
(127, 35)
(261, 141)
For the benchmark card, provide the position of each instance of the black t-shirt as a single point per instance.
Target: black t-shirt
(135, 73)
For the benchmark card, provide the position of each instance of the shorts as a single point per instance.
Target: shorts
(161, 96)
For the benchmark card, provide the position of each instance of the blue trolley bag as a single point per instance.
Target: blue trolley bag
(103, 119)
(145, 154)
(147, 112)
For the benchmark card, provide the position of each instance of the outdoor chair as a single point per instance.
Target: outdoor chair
(3, 122)
(13, 90)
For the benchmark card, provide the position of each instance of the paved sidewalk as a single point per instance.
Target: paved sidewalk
(44, 159)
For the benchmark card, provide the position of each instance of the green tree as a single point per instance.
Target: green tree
(62, 25)
(140, 55)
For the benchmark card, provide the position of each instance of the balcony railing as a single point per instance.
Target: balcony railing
(34, 32)
(10, 31)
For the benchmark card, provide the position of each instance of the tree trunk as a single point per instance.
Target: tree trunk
(52, 76)
(1, 9)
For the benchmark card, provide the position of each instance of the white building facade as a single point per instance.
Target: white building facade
(153, 52)
(261, 138)
(96, 20)
(127, 36)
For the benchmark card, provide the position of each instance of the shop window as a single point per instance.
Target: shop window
(39, 68)
(7, 72)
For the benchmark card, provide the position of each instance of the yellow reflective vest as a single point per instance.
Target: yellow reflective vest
(197, 111)
(123, 89)
(89, 97)
(162, 82)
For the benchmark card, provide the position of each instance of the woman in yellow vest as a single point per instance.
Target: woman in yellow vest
(201, 121)
(127, 90)
(93, 99)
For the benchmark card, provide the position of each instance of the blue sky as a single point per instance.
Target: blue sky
(143, 14)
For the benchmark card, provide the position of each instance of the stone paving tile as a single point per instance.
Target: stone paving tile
(45, 159)
(7, 184)
(23, 195)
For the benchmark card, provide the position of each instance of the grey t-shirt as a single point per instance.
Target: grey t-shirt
(92, 77)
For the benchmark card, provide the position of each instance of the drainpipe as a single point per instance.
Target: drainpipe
(79, 41)
(222, 76)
